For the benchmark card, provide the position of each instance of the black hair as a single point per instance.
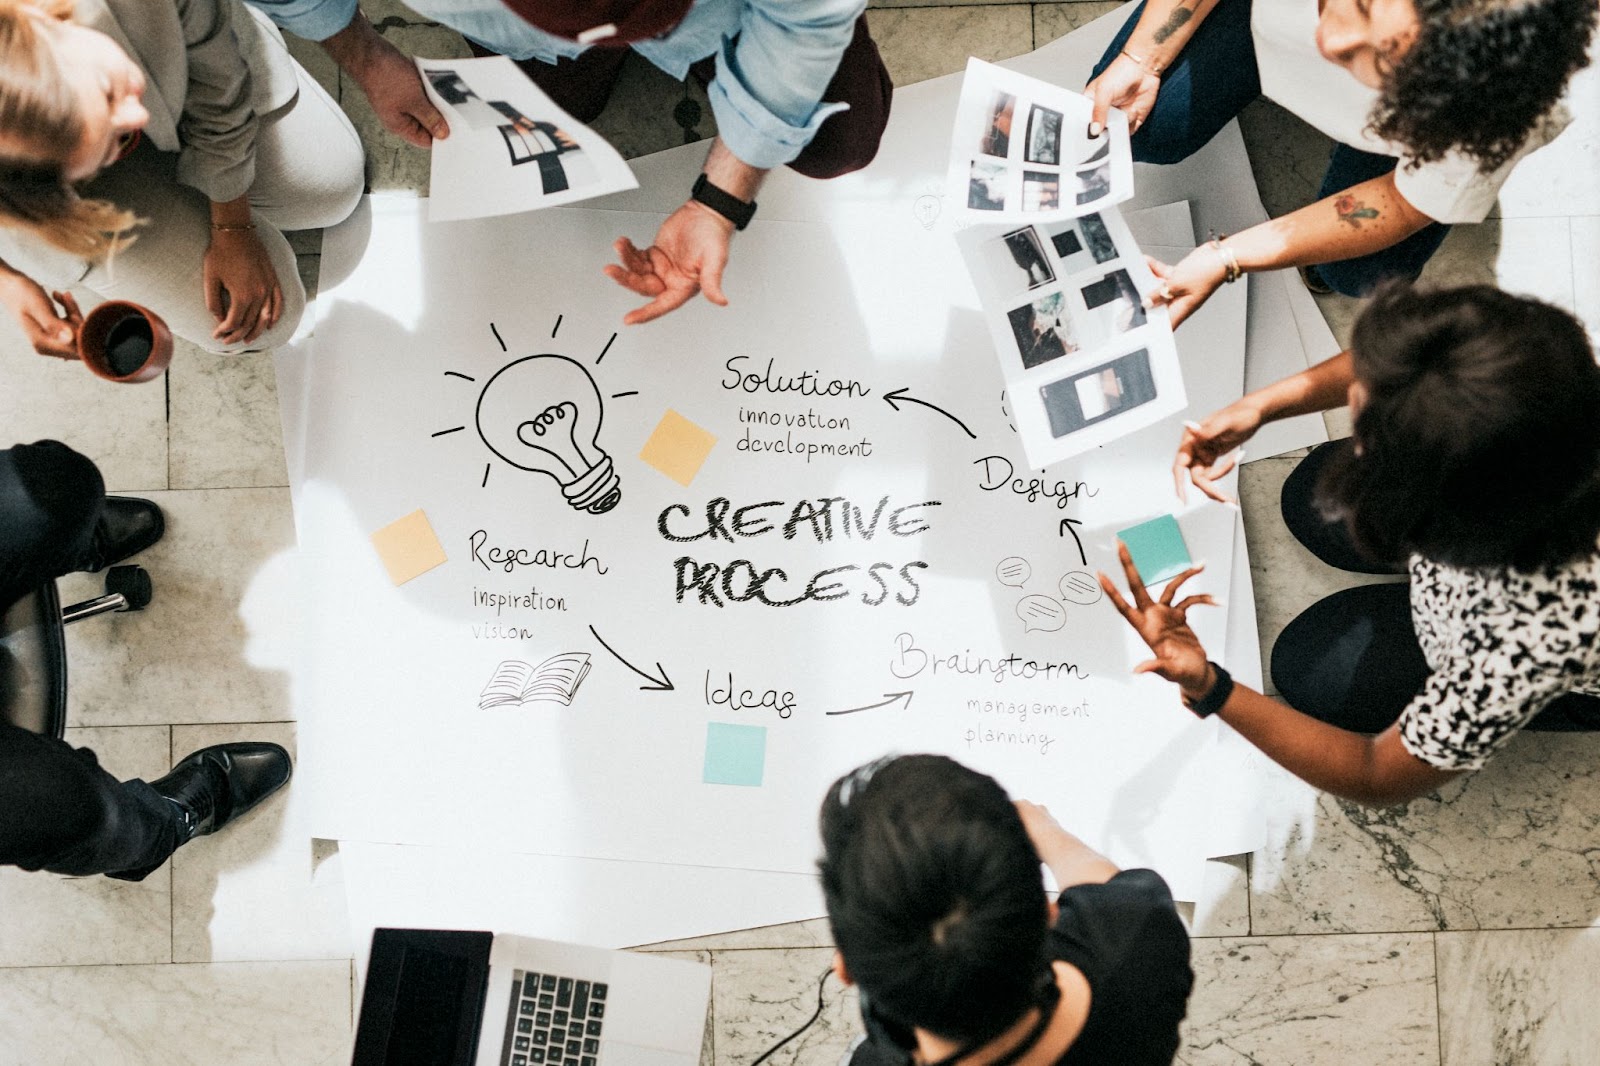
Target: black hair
(1479, 442)
(934, 896)
(1480, 76)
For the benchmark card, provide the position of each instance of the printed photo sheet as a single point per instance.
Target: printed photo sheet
(1085, 361)
(1021, 149)
(511, 148)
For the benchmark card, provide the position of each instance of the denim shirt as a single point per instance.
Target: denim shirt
(775, 58)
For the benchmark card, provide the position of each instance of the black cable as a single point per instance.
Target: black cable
(773, 1050)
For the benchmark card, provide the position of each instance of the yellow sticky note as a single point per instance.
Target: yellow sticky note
(678, 447)
(408, 548)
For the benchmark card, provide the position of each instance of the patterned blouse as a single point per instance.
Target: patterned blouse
(1502, 644)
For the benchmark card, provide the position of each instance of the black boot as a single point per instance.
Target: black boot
(127, 526)
(217, 784)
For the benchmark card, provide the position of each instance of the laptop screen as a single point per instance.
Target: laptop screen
(424, 998)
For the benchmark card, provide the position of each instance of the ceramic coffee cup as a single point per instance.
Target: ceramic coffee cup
(121, 341)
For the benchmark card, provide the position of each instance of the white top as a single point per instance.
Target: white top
(1501, 644)
(1297, 76)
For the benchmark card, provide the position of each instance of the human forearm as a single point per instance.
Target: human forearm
(1375, 771)
(1363, 219)
(1071, 861)
(1318, 388)
(1164, 28)
(354, 46)
(731, 174)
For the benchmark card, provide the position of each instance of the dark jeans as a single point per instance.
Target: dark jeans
(59, 810)
(1210, 82)
(845, 141)
(1352, 658)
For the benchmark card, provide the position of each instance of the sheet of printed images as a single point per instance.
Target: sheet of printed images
(1021, 150)
(511, 148)
(1084, 359)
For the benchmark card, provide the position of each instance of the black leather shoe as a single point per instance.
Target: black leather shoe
(127, 526)
(217, 784)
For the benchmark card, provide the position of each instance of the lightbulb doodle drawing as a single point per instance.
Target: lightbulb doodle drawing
(543, 413)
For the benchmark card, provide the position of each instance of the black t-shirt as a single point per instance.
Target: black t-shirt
(1127, 940)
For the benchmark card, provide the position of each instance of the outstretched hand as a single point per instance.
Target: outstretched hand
(688, 257)
(1164, 626)
(1209, 450)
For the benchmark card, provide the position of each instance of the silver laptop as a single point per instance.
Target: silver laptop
(447, 998)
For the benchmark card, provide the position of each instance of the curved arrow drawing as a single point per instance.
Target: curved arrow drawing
(657, 684)
(900, 394)
(892, 697)
(1066, 527)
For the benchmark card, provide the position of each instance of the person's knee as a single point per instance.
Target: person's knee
(65, 484)
(328, 191)
(1355, 278)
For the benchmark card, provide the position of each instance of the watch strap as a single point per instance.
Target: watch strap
(1212, 701)
(723, 202)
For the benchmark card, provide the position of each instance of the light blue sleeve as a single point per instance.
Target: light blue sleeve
(768, 90)
(315, 20)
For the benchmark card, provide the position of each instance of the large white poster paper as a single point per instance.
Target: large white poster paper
(511, 148)
(820, 575)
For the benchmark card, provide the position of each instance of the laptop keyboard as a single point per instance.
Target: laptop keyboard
(554, 1021)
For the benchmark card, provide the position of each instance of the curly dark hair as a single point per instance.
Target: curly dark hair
(1481, 75)
(1479, 443)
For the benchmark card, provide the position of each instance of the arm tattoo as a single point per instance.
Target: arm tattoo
(1173, 24)
(1353, 211)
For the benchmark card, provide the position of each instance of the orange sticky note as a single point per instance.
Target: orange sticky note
(678, 447)
(408, 548)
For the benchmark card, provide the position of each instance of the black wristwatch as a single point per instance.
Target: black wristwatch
(1212, 701)
(723, 203)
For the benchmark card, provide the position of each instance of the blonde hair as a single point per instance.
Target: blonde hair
(39, 110)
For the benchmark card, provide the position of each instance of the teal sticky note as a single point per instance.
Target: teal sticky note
(735, 754)
(1157, 548)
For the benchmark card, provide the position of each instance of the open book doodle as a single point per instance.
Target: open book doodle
(556, 679)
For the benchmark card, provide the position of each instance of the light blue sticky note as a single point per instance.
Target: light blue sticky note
(735, 754)
(1157, 548)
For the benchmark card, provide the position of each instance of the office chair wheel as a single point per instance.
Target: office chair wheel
(133, 582)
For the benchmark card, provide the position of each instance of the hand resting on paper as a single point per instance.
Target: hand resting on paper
(1126, 85)
(1164, 626)
(1071, 861)
(1209, 449)
(1188, 284)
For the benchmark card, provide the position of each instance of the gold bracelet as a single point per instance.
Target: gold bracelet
(228, 227)
(1230, 262)
(1152, 69)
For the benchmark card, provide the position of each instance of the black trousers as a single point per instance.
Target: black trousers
(59, 810)
(1352, 658)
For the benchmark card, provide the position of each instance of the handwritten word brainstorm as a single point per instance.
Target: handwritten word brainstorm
(825, 520)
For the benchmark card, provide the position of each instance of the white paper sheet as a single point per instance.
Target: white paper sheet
(588, 901)
(511, 148)
(369, 462)
(1021, 151)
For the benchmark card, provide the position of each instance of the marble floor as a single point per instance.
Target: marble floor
(1460, 930)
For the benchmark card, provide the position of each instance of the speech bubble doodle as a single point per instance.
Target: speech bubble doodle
(1080, 587)
(1013, 571)
(1042, 613)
